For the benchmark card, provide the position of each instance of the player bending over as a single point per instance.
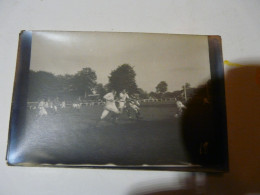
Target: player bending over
(135, 106)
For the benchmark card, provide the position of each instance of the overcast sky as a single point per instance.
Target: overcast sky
(176, 59)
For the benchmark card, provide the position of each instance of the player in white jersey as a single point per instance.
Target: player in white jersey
(123, 97)
(42, 110)
(63, 104)
(110, 105)
(180, 108)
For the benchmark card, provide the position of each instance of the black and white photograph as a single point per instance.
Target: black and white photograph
(135, 100)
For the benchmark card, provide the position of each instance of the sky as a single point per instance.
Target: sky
(176, 59)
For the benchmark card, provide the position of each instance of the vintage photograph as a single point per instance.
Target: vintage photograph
(118, 99)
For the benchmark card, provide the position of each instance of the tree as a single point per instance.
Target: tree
(47, 85)
(84, 81)
(142, 94)
(42, 85)
(154, 95)
(100, 90)
(187, 85)
(162, 87)
(123, 78)
(168, 95)
(66, 91)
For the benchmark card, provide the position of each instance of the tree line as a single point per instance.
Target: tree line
(84, 85)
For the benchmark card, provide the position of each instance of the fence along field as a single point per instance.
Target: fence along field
(144, 102)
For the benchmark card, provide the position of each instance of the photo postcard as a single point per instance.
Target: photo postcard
(119, 100)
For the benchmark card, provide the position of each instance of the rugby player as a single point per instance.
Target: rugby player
(180, 108)
(42, 110)
(123, 97)
(110, 105)
(63, 104)
(135, 106)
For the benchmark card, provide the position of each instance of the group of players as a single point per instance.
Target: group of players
(51, 106)
(129, 103)
(117, 103)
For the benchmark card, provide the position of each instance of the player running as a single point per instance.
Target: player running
(110, 105)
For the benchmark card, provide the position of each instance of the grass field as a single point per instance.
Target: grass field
(71, 137)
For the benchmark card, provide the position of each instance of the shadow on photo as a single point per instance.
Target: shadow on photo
(242, 102)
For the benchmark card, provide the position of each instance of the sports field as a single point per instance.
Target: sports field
(71, 136)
